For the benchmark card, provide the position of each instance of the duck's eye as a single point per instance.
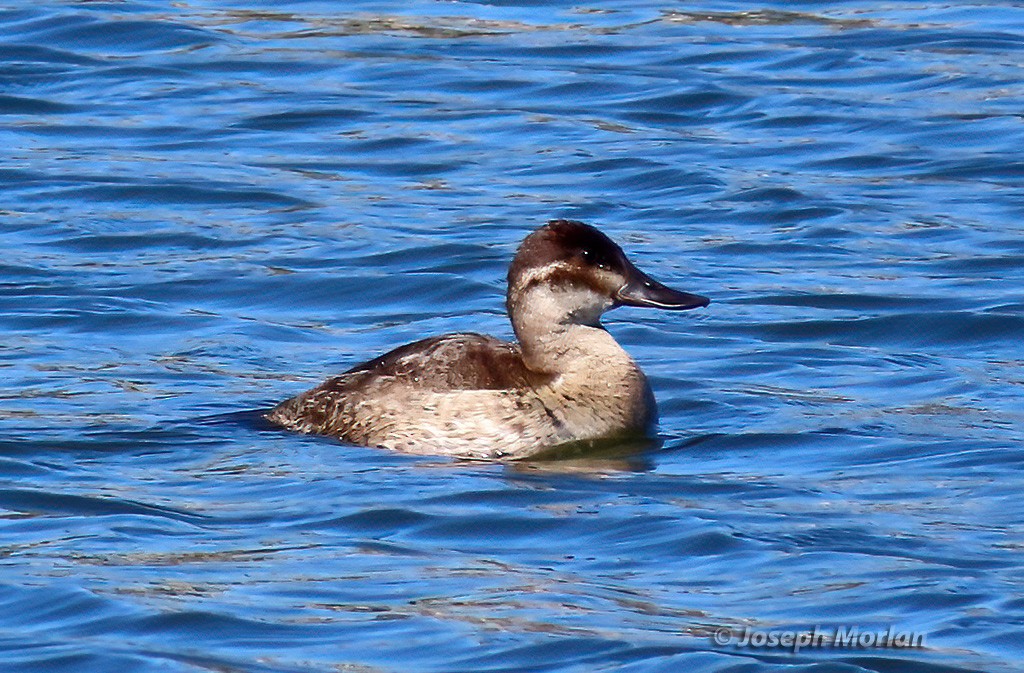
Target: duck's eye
(591, 258)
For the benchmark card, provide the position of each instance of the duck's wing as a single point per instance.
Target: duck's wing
(444, 363)
(366, 404)
(457, 390)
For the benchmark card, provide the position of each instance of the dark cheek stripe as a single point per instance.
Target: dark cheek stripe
(565, 278)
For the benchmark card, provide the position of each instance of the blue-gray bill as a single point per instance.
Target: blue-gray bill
(642, 290)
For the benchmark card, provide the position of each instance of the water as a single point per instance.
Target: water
(208, 207)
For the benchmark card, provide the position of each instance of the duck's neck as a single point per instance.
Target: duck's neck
(595, 388)
(555, 341)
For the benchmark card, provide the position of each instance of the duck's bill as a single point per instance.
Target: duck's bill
(642, 290)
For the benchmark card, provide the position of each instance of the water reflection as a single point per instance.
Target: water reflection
(595, 457)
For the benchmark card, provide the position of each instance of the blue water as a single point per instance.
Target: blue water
(207, 207)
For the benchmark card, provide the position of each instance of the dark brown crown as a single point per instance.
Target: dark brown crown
(567, 241)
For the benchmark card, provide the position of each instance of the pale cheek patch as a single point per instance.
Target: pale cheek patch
(561, 293)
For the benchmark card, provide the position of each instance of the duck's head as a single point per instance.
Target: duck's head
(568, 272)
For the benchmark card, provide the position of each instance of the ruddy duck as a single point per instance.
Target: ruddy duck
(474, 396)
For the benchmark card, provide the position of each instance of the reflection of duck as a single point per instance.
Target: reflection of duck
(473, 396)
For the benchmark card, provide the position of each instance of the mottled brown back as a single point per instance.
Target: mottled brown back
(444, 363)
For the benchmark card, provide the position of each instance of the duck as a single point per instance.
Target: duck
(564, 380)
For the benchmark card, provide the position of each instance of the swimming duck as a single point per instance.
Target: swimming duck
(477, 397)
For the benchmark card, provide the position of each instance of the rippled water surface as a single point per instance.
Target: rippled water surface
(207, 207)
